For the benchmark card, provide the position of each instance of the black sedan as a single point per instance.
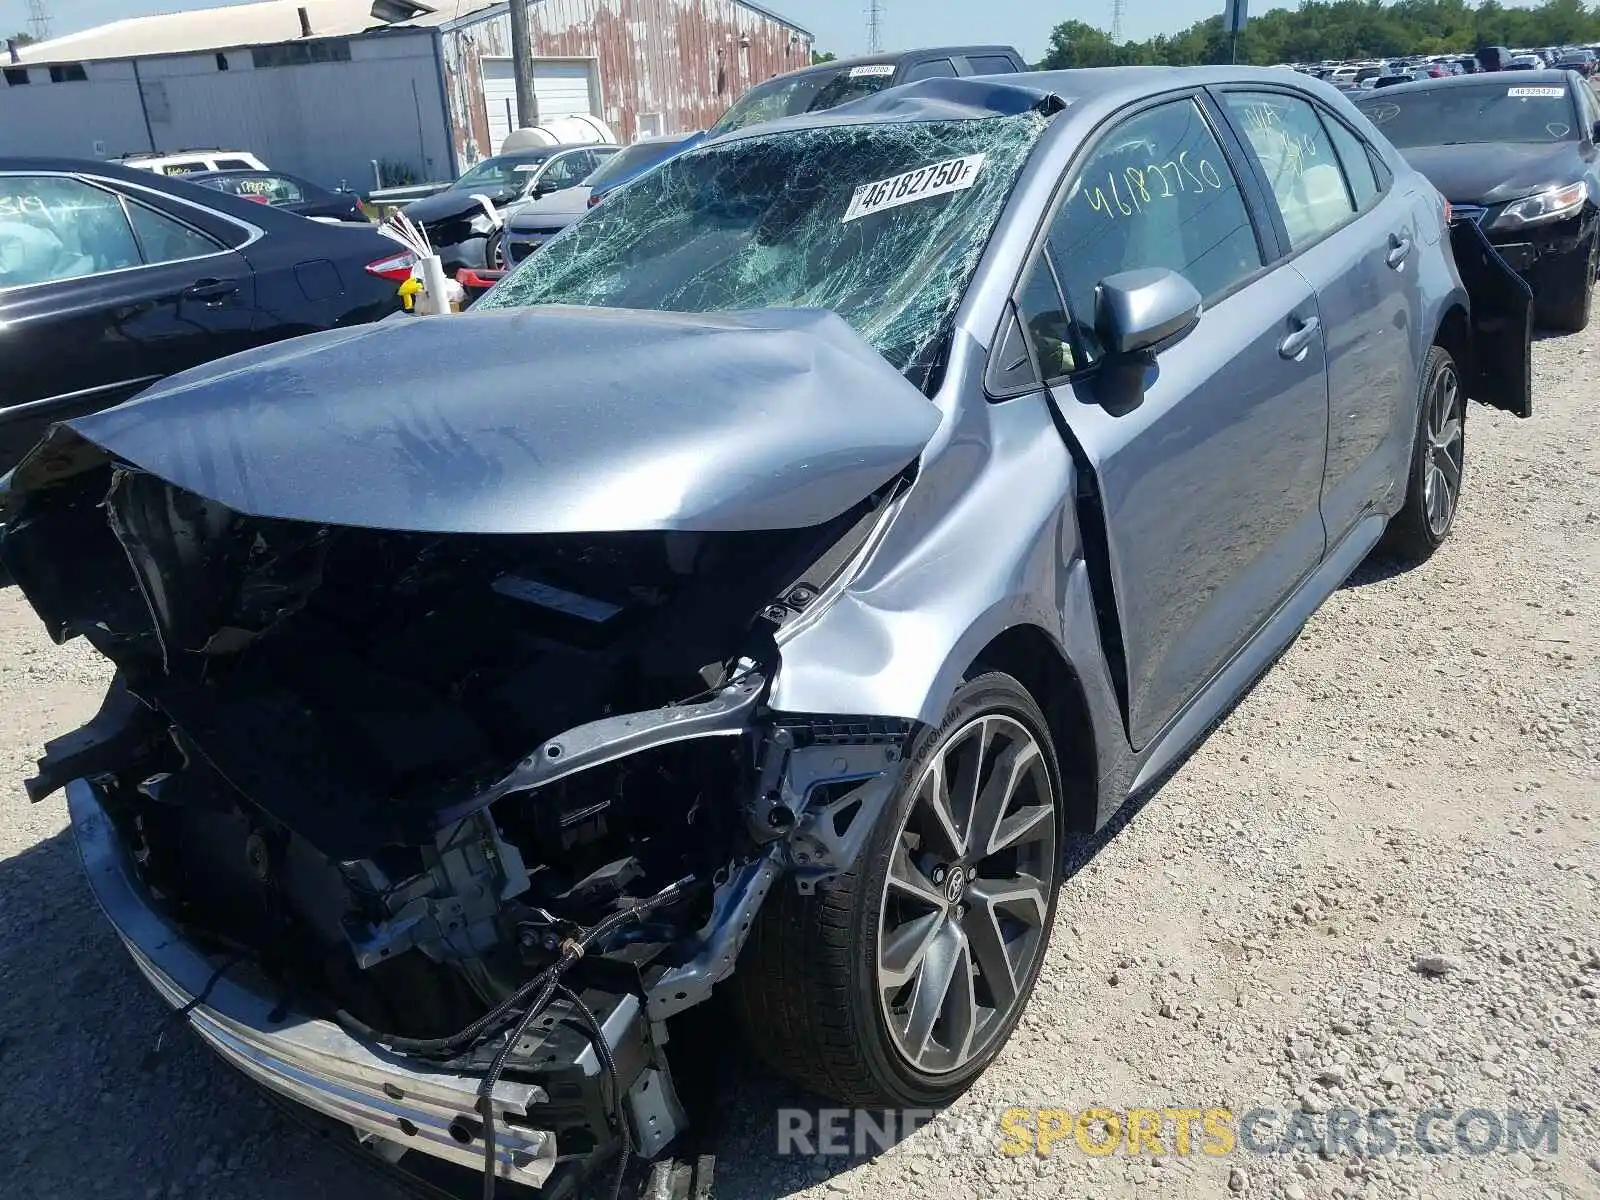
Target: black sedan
(283, 191)
(457, 225)
(111, 278)
(1517, 156)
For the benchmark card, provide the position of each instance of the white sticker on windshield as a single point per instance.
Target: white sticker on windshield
(872, 70)
(1537, 93)
(953, 175)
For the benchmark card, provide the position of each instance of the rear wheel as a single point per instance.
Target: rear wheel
(494, 251)
(1438, 461)
(1566, 297)
(898, 983)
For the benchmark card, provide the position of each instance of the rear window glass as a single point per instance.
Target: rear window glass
(815, 91)
(1502, 111)
(991, 64)
(625, 162)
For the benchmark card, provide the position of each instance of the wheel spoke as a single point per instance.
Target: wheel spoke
(907, 879)
(935, 797)
(1011, 768)
(1024, 897)
(946, 953)
(1446, 438)
(901, 951)
(982, 927)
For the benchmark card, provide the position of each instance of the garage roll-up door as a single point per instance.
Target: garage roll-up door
(562, 89)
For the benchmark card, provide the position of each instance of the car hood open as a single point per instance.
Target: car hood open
(529, 421)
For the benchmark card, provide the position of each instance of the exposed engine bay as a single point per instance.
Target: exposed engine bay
(427, 783)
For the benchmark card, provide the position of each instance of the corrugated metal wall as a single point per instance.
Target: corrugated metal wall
(74, 120)
(684, 59)
(326, 121)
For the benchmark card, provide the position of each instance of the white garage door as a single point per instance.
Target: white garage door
(562, 89)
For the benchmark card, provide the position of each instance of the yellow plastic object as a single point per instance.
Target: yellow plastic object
(409, 291)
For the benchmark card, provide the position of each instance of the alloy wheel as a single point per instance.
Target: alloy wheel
(1445, 453)
(962, 921)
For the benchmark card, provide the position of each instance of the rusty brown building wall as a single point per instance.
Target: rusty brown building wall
(685, 59)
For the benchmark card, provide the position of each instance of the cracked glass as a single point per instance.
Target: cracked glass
(882, 223)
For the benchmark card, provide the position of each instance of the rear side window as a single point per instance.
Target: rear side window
(1357, 163)
(934, 68)
(1287, 139)
(56, 228)
(1156, 191)
(163, 239)
(263, 189)
(234, 164)
(991, 64)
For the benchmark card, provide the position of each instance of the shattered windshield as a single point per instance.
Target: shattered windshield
(881, 223)
(814, 91)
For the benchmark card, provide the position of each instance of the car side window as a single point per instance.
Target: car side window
(1044, 318)
(934, 68)
(1353, 157)
(1156, 191)
(564, 172)
(234, 164)
(990, 64)
(166, 240)
(1286, 137)
(57, 228)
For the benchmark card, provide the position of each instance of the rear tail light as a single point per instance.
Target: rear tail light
(396, 267)
(257, 199)
(480, 280)
(594, 200)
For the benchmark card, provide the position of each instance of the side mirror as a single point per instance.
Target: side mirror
(1595, 133)
(1135, 311)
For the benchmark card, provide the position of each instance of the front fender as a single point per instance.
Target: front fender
(985, 541)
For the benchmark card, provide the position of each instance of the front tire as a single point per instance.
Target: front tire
(1438, 462)
(896, 984)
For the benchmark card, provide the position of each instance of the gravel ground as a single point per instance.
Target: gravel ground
(1377, 885)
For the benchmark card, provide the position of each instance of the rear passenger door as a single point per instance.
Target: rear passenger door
(1207, 488)
(1357, 246)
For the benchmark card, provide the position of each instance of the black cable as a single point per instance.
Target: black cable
(618, 1109)
(571, 951)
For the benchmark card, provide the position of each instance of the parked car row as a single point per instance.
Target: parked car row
(458, 726)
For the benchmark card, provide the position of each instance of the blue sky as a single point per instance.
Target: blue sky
(840, 25)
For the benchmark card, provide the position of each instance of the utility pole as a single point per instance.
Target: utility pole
(38, 20)
(1117, 7)
(874, 26)
(521, 63)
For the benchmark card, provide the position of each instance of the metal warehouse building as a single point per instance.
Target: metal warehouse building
(323, 88)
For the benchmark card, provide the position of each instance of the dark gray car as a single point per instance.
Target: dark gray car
(839, 516)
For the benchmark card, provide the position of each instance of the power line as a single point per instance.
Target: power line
(874, 26)
(38, 20)
(1117, 7)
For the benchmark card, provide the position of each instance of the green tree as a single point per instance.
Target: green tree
(1339, 29)
(822, 56)
(21, 39)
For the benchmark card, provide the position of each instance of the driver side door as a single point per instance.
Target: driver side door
(1208, 485)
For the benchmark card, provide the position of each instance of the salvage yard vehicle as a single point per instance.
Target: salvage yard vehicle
(112, 278)
(183, 162)
(460, 229)
(283, 191)
(840, 517)
(1517, 158)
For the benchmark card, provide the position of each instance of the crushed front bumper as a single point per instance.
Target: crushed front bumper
(393, 1104)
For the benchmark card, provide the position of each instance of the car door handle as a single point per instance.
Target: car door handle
(1399, 250)
(212, 291)
(1296, 343)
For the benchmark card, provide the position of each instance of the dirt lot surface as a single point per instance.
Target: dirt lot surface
(1376, 886)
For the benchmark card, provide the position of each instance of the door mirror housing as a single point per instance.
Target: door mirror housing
(1135, 311)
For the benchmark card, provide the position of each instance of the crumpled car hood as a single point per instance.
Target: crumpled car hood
(1480, 174)
(532, 421)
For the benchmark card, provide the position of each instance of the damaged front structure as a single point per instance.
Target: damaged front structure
(381, 763)
(325, 88)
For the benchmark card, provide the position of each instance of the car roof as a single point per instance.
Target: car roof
(895, 58)
(1549, 78)
(262, 215)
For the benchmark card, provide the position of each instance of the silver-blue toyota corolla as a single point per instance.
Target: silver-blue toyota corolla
(752, 593)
